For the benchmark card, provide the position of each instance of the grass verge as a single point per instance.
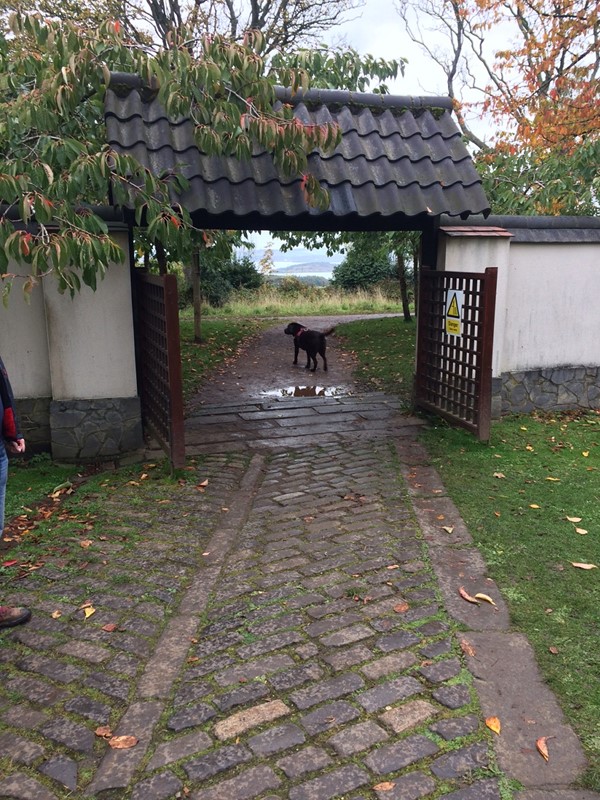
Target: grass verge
(531, 501)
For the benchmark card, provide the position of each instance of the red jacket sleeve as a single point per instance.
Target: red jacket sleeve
(10, 427)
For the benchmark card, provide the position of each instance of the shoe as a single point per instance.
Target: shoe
(13, 615)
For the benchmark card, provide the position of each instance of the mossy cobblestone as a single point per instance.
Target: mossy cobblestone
(321, 663)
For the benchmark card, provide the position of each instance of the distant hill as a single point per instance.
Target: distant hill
(300, 262)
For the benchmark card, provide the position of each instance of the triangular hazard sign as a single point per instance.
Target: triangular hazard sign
(453, 308)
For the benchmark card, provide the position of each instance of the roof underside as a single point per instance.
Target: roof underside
(401, 163)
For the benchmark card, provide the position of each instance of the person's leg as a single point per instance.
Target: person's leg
(3, 480)
(9, 615)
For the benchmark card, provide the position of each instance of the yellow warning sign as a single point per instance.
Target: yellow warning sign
(454, 307)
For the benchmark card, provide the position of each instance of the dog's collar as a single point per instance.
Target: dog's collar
(298, 333)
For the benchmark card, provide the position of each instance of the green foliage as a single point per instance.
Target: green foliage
(367, 263)
(222, 276)
(333, 68)
(528, 182)
(55, 163)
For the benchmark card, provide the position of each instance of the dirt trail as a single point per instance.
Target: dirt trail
(266, 367)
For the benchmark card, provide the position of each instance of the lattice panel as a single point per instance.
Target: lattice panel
(454, 371)
(159, 362)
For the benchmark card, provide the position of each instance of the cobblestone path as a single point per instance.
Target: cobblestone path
(289, 628)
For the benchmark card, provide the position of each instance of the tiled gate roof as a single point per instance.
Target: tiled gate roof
(401, 160)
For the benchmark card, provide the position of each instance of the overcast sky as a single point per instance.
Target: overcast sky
(376, 28)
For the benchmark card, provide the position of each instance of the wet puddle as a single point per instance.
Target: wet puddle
(307, 391)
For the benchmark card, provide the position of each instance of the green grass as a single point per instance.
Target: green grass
(307, 301)
(32, 480)
(515, 495)
(221, 340)
(385, 353)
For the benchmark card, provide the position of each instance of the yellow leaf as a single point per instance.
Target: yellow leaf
(56, 614)
(467, 648)
(542, 747)
(448, 528)
(123, 742)
(493, 724)
(89, 611)
(533, 505)
(574, 519)
(499, 475)
(466, 596)
(529, 447)
(582, 531)
(552, 479)
(486, 597)
(523, 428)
(585, 453)
(584, 566)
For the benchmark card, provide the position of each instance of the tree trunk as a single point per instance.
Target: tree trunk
(161, 258)
(197, 296)
(401, 266)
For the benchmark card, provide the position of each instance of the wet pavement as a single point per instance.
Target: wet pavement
(287, 627)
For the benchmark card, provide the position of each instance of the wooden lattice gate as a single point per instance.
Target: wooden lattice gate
(454, 347)
(159, 362)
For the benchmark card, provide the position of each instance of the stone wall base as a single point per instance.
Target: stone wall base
(34, 419)
(555, 389)
(84, 431)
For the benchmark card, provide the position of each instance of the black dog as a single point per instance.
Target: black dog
(312, 341)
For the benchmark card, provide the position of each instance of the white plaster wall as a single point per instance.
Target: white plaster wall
(475, 254)
(90, 337)
(23, 342)
(553, 311)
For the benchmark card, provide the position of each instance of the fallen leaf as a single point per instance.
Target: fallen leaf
(466, 596)
(203, 483)
(401, 607)
(104, 731)
(386, 786)
(553, 650)
(496, 513)
(574, 519)
(542, 746)
(393, 566)
(557, 480)
(123, 742)
(110, 627)
(441, 516)
(533, 505)
(85, 542)
(486, 597)
(585, 453)
(529, 447)
(89, 611)
(493, 724)
(467, 648)
(581, 531)
(56, 614)
(448, 528)
(584, 566)
(10, 563)
(499, 475)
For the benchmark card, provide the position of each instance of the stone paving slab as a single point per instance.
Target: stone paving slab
(294, 632)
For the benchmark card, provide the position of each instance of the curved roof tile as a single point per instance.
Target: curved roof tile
(399, 158)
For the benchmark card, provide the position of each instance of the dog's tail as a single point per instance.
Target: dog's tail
(329, 331)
